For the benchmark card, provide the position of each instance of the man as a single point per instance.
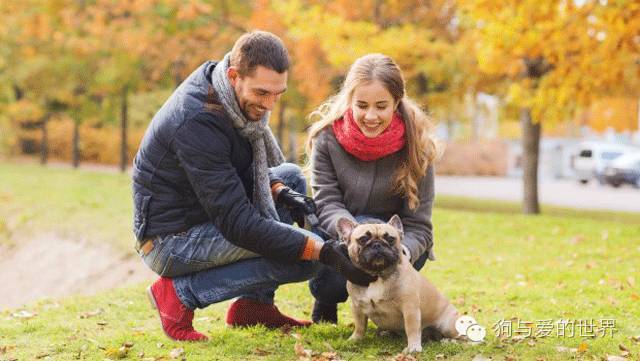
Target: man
(213, 202)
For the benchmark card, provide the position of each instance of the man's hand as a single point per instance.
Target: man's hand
(335, 254)
(299, 204)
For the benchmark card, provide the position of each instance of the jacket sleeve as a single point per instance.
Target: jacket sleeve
(204, 151)
(326, 190)
(418, 229)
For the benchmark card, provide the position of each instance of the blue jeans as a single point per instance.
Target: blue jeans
(330, 287)
(206, 268)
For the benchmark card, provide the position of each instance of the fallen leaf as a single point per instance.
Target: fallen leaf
(42, 355)
(327, 356)
(531, 343)
(566, 349)
(23, 314)
(615, 358)
(631, 281)
(635, 297)
(117, 353)
(625, 353)
(102, 323)
(90, 314)
(582, 347)
(635, 338)
(623, 348)
(260, 352)
(286, 329)
(128, 344)
(300, 351)
(159, 345)
(509, 358)
(176, 353)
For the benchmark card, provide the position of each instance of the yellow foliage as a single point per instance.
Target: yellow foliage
(575, 53)
(24, 110)
(100, 145)
(620, 114)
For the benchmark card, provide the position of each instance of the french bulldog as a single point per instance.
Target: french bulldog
(400, 299)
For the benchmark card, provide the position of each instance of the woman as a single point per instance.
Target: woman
(371, 153)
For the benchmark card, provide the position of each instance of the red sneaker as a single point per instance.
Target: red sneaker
(176, 319)
(246, 312)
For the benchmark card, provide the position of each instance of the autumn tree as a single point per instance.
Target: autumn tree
(555, 57)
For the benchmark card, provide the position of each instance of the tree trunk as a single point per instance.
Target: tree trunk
(44, 142)
(75, 156)
(530, 154)
(281, 123)
(124, 158)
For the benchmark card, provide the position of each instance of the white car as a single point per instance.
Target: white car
(594, 157)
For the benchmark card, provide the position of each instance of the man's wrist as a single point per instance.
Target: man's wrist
(275, 190)
(311, 251)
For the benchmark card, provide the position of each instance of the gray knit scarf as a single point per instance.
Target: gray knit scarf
(266, 152)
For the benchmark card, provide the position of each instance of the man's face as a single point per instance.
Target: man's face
(258, 92)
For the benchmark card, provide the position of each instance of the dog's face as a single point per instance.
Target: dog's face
(373, 246)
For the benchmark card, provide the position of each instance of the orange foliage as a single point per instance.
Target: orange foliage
(620, 114)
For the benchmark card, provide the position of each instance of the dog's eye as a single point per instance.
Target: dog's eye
(364, 239)
(390, 239)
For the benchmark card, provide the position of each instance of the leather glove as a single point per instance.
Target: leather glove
(299, 204)
(334, 254)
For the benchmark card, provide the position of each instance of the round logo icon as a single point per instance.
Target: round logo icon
(476, 333)
(463, 323)
(468, 326)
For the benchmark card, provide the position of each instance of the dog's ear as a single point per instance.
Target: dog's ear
(396, 223)
(344, 227)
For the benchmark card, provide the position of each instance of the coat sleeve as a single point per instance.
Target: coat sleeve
(418, 229)
(204, 151)
(326, 190)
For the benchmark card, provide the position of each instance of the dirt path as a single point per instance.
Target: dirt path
(51, 267)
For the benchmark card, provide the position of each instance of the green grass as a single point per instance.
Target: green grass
(92, 205)
(492, 263)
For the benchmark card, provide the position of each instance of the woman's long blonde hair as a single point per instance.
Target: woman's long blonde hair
(420, 148)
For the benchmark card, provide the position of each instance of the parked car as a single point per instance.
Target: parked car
(594, 157)
(624, 170)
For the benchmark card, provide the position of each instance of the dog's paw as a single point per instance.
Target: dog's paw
(412, 349)
(355, 337)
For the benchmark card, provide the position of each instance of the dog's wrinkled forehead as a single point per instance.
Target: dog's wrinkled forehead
(366, 232)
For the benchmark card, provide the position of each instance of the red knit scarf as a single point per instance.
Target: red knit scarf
(357, 144)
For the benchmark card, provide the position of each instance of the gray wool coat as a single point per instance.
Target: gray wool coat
(344, 186)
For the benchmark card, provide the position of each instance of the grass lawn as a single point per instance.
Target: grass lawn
(493, 263)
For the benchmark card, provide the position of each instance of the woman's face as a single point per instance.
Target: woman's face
(373, 108)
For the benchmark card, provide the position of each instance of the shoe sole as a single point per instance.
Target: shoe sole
(154, 305)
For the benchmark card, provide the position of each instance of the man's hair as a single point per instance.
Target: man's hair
(259, 48)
